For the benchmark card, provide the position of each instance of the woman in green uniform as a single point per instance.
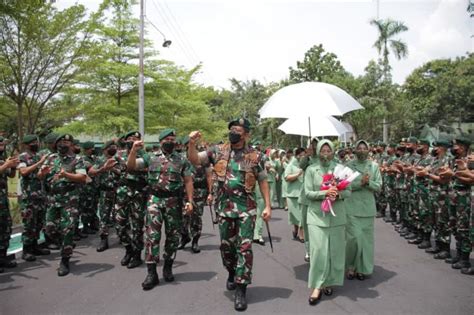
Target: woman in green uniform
(361, 214)
(294, 182)
(327, 233)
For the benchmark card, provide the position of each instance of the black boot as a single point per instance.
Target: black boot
(63, 267)
(463, 262)
(445, 252)
(467, 271)
(87, 229)
(38, 251)
(412, 235)
(4, 261)
(417, 240)
(136, 259)
(128, 255)
(230, 284)
(168, 270)
(426, 243)
(455, 259)
(27, 254)
(50, 243)
(104, 243)
(436, 248)
(151, 279)
(195, 247)
(240, 299)
(184, 240)
(82, 234)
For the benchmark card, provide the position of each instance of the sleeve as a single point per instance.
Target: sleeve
(188, 169)
(81, 167)
(203, 157)
(375, 181)
(312, 185)
(142, 162)
(260, 170)
(23, 162)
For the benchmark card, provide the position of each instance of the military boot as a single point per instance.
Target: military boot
(417, 240)
(4, 261)
(128, 255)
(184, 240)
(168, 270)
(445, 252)
(86, 229)
(151, 279)
(455, 259)
(230, 284)
(195, 247)
(1, 270)
(63, 267)
(27, 254)
(81, 233)
(104, 243)
(240, 299)
(463, 261)
(436, 248)
(467, 271)
(426, 243)
(38, 251)
(136, 259)
(50, 243)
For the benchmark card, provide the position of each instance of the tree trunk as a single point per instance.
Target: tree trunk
(20, 121)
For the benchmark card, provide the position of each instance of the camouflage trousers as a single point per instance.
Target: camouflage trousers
(88, 204)
(193, 223)
(236, 246)
(424, 215)
(393, 202)
(461, 208)
(159, 211)
(440, 204)
(65, 207)
(130, 216)
(5, 224)
(381, 200)
(106, 211)
(33, 215)
(403, 205)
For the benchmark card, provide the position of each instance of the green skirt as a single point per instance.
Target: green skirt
(360, 244)
(327, 252)
(294, 211)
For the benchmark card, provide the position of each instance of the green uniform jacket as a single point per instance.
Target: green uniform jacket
(293, 189)
(362, 202)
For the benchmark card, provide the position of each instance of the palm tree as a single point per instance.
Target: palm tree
(388, 29)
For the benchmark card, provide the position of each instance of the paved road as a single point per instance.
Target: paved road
(406, 281)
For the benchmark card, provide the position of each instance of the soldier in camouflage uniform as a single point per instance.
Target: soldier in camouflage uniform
(78, 234)
(440, 201)
(7, 169)
(131, 207)
(89, 196)
(33, 199)
(381, 196)
(402, 226)
(389, 177)
(168, 172)
(63, 171)
(108, 169)
(469, 177)
(237, 169)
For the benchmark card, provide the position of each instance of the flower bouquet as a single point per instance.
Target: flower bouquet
(340, 178)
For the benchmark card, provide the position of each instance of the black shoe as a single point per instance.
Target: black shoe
(230, 284)
(411, 236)
(82, 234)
(259, 241)
(463, 262)
(467, 271)
(425, 244)
(63, 267)
(87, 230)
(442, 255)
(5, 262)
(151, 279)
(328, 291)
(38, 251)
(350, 276)
(76, 237)
(136, 260)
(295, 236)
(315, 300)
(436, 248)
(104, 244)
(128, 256)
(50, 243)
(27, 254)
(240, 299)
(184, 241)
(195, 247)
(455, 259)
(360, 276)
(390, 220)
(168, 270)
(306, 257)
(415, 241)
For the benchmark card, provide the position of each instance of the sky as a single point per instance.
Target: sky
(261, 39)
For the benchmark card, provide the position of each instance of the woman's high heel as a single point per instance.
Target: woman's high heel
(328, 291)
(315, 300)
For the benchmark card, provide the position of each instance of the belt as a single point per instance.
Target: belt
(166, 194)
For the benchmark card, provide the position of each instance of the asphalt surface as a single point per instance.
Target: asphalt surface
(405, 281)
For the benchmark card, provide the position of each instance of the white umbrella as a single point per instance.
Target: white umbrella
(309, 99)
(321, 126)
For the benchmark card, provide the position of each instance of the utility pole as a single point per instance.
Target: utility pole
(384, 121)
(141, 89)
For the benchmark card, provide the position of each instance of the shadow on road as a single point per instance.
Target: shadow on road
(262, 294)
(78, 268)
(209, 247)
(195, 276)
(301, 271)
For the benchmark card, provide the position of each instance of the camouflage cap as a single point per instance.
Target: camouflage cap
(88, 145)
(64, 136)
(107, 144)
(413, 140)
(166, 133)
(133, 133)
(29, 138)
(243, 122)
(382, 144)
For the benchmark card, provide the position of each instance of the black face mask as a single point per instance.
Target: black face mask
(168, 147)
(62, 148)
(234, 137)
(34, 148)
(420, 151)
(398, 155)
(401, 149)
(410, 150)
(129, 145)
(434, 153)
(76, 151)
(112, 152)
(454, 152)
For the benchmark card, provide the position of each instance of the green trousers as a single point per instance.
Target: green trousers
(360, 244)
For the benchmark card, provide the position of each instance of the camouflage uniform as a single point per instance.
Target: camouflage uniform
(89, 196)
(422, 211)
(33, 200)
(410, 195)
(390, 190)
(63, 198)
(5, 217)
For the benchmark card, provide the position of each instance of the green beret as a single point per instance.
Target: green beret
(107, 144)
(185, 140)
(424, 141)
(64, 136)
(76, 141)
(442, 143)
(132, 133)
(88, 145)
(29, 138)
(179, 140)
(412, 140)
(167, 132)
(392, 145)
(240, 122)
(51, 138)
(462, 140)
(403, 140)
(383, 144)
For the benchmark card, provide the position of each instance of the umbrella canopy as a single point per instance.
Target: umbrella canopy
(309, 99)
(320, 126)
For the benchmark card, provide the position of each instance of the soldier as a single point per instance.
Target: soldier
(108, 169)
(33, 199)
(63, 171)
(7, 169)
(469, 177)
(237, 169)
(168, 172)
(130, 208)
(78, 235)
(381, 196)
(89, 196)
(389, 177)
